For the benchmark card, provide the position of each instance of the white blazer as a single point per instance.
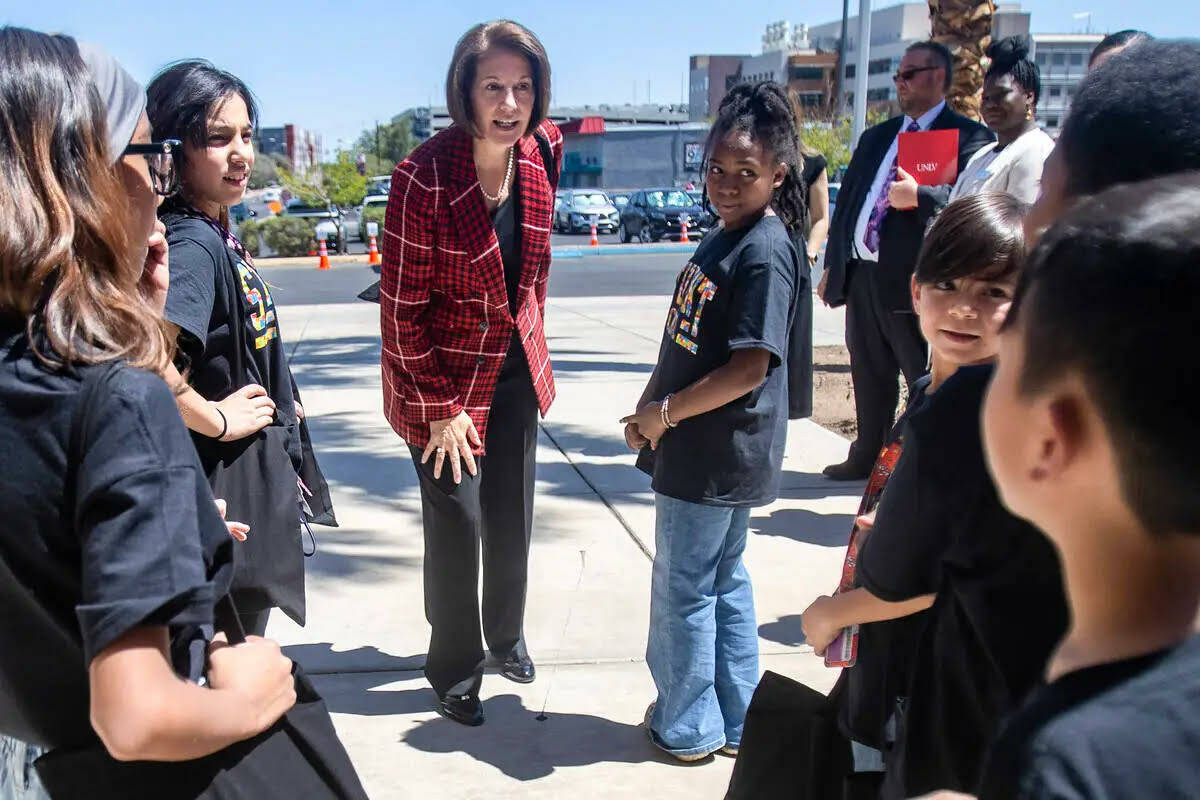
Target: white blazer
(1017, 169)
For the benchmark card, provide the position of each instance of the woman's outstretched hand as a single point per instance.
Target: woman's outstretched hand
(453, 440)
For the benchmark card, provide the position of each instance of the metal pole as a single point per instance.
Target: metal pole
(860, 71)
(840, 105)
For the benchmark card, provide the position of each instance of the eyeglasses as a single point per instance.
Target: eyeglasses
(908, 74)
(161, 160)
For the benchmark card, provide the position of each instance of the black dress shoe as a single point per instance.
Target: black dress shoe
(519, 669)
(464, 709)
(847, 471)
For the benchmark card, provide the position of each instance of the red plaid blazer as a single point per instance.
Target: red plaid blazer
(446, 321)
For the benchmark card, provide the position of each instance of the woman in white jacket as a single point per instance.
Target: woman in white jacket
(1013, 163)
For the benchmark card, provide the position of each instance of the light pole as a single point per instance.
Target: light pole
(860, 71)
(840, 106)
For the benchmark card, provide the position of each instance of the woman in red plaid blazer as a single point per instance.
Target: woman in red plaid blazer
(466, 256)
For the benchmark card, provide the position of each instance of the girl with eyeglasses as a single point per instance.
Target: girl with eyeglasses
(113, 552)
(239, 386)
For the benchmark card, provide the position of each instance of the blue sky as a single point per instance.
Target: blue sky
(336, 67)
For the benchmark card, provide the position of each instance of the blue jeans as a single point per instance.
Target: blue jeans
(18, 780)
(703, 645)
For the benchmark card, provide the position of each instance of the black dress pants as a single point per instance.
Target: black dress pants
(883, 344)
(494, 511)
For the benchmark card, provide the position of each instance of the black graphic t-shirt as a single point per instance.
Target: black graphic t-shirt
(734, 294)
(228, 327)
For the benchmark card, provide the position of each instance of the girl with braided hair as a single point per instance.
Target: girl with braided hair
(1013, 163)
(712, 423)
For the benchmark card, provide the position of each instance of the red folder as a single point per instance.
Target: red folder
(931, 157)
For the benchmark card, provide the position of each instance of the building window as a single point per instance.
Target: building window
(1056, 91)
(1041, 59)
(1059, 59)
(806, 73)
(810, 99)
(878, 95)
(1052, 122)
(851, 71)
(1076, 59)
(879, 66)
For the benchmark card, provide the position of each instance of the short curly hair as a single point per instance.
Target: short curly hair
(1135, 117)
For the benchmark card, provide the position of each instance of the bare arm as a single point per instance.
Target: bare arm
(245, 412)
(143, 711)
(828, 615)
(744, 371)
(818, 214)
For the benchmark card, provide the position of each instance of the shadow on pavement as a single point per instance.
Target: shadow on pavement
(321, 659)
(801, 525)
(515, 742)
(785, 630)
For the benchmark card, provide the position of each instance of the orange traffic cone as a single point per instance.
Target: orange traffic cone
(373, 253)
(683, 231)
(595, 239)
(324, 262)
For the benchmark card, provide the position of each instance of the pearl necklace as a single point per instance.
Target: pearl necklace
(507, 177)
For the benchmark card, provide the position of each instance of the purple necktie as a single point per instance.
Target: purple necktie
(871, 237)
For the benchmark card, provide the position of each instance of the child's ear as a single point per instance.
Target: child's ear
(1063, 431)
(915, 288)
(781, 171)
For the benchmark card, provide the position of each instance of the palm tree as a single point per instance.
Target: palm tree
(965, 26)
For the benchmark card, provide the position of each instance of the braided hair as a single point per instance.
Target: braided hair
(764, 111)
(1010, 56)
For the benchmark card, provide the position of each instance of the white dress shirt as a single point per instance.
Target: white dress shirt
(881, 175)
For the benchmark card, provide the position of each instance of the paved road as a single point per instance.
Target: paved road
(592, 276)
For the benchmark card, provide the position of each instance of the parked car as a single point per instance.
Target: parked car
(324, 220)
(580, 206)
(653, 214)
(356, 227)
(272, 194)
(620, 199)
(834, 188)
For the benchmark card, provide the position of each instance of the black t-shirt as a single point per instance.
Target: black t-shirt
(128, 538)
(1128, 729)
(880, 673)
(229, 333)
(734, 294)
(1000, 607)
(813, 167)
(508, 234)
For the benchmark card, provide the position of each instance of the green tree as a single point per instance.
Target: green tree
(388, 142)
(832, 139)
(334, 184)
(266, 170)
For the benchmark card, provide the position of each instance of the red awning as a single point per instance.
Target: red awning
(584, 125)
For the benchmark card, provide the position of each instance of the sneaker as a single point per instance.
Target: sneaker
(730, 750)
(687, 759)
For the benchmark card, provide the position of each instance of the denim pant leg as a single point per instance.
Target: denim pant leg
(681, 652)
(737, 630)
(18, 779)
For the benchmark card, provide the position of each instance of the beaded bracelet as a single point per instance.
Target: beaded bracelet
(665, 413)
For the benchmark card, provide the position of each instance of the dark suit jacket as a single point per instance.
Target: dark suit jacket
(901, 234)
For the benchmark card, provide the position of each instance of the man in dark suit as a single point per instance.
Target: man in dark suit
(874, 239)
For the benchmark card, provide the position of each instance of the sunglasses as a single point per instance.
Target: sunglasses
(908, 74)
(161, 160)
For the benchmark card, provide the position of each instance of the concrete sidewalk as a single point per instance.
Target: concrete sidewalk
(576, 731)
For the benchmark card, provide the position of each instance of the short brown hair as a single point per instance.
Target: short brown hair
(501, 33)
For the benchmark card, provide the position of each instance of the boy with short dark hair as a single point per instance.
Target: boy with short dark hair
(1091, 435)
